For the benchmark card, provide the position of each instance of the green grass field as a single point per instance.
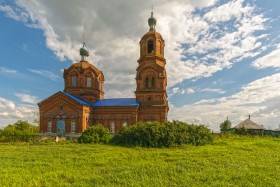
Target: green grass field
(228, 161)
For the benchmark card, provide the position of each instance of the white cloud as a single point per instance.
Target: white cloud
(10, 112)
(7, 71)
(189, 91)
(45, 73)
(113, 33)
(219, 91)
(259, 98)
(270, 60)
(27, 98)
(225, 12)
(14, 13)
(178, 90)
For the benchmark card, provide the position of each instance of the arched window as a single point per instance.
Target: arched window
(49, 127)
(73, 126)
(147, 82)
(74, 81)
(89, 82)
(112, 127)
(153, 82)
(150, 46)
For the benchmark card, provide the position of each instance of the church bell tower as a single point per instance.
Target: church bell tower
(151, 77)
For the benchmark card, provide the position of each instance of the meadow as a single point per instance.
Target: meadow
(228, 161)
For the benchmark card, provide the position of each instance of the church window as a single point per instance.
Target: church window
(153, 82)
(124, 124)
(73, 126)
(150, 46)
(74, 81)
(89, 82)
(147, 82)
(49, 127)
(112, 127)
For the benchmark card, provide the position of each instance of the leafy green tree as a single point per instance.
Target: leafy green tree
(225, 125)
(20, 131)
(95, 134)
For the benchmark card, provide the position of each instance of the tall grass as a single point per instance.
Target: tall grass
(228, 161)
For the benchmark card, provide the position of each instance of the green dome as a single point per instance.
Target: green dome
(84, 51)
(152, 22)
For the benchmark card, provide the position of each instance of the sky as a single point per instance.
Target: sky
(223, 56)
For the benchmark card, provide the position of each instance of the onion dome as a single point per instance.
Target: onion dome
(152, 22)
(84, 52)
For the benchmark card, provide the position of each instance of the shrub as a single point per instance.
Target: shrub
(95, 134)
(154, 134)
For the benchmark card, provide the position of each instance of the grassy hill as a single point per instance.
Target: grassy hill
(228, 161)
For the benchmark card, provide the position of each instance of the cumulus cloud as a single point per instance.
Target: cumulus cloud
(10, 112)
(113, 33)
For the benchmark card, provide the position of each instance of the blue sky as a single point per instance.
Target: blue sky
(222, 56)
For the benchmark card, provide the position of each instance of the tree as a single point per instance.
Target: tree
(225, 125)
(20, 131)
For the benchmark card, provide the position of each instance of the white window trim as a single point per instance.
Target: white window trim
(89, 82)
(49, 127)
(73, 130)
(112, 127)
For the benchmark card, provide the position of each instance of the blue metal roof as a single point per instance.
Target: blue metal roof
(106, 102)
(116, 102)
(77, 99)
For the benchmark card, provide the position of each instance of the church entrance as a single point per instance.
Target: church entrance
(60, 128)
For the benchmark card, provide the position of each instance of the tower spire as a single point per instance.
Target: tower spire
(152, 21)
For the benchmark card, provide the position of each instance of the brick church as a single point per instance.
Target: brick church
(82, 103)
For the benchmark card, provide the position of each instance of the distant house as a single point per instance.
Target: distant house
(250, 127)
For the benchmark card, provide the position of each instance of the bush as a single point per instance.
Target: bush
(154, 134)
(95, 134)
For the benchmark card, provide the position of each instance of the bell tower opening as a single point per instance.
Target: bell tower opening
(150, 46)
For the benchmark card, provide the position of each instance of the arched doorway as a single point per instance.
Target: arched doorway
(60, 128)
